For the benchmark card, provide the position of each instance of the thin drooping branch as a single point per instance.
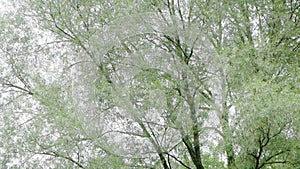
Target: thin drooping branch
(55, 154)
(124, 132)
(267, 161)
(179, 161)
(27, 91)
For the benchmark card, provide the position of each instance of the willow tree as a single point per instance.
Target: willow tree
(164, 84)
(258, 42)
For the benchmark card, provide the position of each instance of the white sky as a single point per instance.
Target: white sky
(4, 6)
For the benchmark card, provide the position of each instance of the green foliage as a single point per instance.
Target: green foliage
(150, 84)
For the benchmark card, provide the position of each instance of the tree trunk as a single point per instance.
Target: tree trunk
(196, 153)
(156, 146)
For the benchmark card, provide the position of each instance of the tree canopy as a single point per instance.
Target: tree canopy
(150, 84)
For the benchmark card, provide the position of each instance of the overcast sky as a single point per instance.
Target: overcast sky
(4, 5)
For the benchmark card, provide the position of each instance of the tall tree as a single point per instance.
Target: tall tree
(152, 84)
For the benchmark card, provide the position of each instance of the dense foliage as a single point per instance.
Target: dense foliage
(150, 84)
